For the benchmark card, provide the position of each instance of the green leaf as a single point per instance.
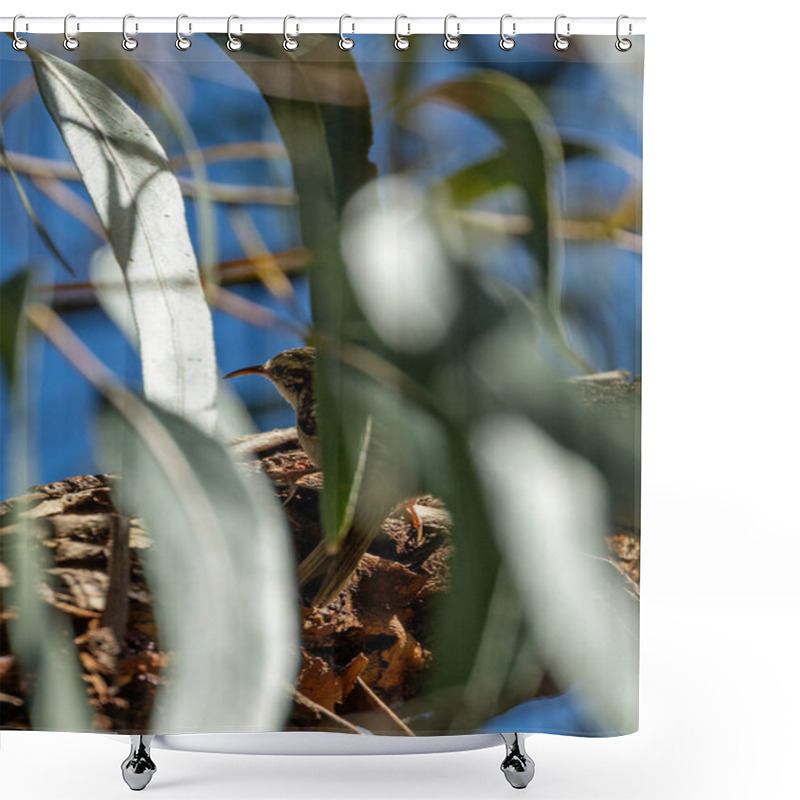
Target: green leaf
(220, 569)
(322, 111)
(138, 200)
(41, 636)
(12, 306)
(479, 179)
(549, 513)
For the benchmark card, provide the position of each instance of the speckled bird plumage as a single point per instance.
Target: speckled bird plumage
(293, 374)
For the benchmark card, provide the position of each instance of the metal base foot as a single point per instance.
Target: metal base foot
(138, 768)
(517, 766)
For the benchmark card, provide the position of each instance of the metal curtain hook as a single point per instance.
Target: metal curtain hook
(70, 42)
(19, 43)
(623, 45)
(451, 42)
(181, 42)
(344, 42)
(506, 42)
(233, 44)
(289, 42)
(129, 42)
(561, 42)
(400, 42)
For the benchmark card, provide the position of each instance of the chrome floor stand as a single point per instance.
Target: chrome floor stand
(138, 768)
(517, 766)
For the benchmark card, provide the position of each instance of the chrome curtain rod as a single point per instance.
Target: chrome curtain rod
(409, 26)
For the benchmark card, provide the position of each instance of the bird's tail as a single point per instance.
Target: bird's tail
(335, 568)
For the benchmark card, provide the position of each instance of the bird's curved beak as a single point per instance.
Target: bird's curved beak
(256, 370)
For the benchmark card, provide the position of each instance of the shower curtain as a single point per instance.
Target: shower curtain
(412, 507)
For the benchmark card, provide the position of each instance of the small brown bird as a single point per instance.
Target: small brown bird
(292, 372)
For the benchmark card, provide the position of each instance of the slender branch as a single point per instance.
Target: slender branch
(381, 706)
(262, 443)
(309, 703)
(81, 294)
(233, 151)
(71, 347)
(17, 95)
(71, 202)
(248, 311)
(36, 166)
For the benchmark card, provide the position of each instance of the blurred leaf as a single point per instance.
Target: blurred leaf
(221, 570)
(481, 178)
(12, 306)
(138, 200)
(550, 517)
(398, 266)
(322, 111)
(41, 636)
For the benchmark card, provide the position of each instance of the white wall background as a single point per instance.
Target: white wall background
(720, 695)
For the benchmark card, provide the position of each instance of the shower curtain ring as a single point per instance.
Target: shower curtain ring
(451, 42)
(623, 45)
(233, 44)
(506, 42)
(289, 42)
(561, 42)
(181, 42)
(19, 43)
(400, 42)
(344, 42)
(70, 42)
(129, 42)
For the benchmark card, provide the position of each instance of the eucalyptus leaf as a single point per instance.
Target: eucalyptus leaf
(481, 178)
(397, 265)
(40, 635)
(220, 569)
(138, 200)
(321, 108)
(549, 510)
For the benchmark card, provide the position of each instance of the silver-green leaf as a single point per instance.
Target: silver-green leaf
(220, 571)
(550, 516)
(138, 200)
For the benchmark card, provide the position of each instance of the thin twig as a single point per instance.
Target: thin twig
(248, 311)
(17, 95)
(232, 151)
(71, 347)
(325, 712)
(36, 166)
(71, 202)
(380, 705)
(81, 294)
(262, 443)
